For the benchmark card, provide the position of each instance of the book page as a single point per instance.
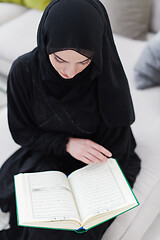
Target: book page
(51, 197)
(96, 190)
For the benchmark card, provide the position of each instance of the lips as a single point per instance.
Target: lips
(64, 75)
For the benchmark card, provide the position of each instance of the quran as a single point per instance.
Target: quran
(86, 198)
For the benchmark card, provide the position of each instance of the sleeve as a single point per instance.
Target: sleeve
(121, 142)
(21, 122)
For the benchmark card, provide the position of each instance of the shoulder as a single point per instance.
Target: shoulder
(21, 70)
(21, 64)
(20, 75)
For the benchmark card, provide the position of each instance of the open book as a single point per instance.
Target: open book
(87, 197)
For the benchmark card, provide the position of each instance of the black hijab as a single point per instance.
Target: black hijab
(83, 26)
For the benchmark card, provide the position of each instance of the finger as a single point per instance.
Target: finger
(95, 155)
(101, 149)
(86, 160)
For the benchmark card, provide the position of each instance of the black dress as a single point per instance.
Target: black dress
(42, 127)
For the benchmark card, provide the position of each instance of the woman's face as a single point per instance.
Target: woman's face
(68, 63)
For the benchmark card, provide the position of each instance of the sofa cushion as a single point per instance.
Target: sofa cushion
(129, 18)
(147, 68)
(155, 16)
(5, 66)
(30, 3)
(7, 144)
(41, 5)
(8, 147)
(4, 220)
(18, 36)
(13, 1)
(10, 11)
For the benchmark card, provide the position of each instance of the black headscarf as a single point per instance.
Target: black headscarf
(83, 26)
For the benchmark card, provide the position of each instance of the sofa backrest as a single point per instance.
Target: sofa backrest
(134, 18)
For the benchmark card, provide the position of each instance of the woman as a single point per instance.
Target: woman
(68, 105)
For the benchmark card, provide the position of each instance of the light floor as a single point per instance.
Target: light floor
(153, 232)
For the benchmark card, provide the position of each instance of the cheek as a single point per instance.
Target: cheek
(58, 67)
(82, 67)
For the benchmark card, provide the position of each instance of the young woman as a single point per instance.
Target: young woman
(68, 105)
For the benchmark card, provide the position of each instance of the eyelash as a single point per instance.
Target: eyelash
(58, 60)
(61, 61)
(84, 63)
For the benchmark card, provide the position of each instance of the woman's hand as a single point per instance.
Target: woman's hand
(87, 151)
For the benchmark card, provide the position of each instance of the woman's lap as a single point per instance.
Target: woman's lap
(26, 233)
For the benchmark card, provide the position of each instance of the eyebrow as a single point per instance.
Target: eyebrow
(67, 62)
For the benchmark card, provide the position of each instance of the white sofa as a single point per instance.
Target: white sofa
(135, 223)
(18, 26)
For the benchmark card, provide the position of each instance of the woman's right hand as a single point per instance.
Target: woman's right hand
(87, 151)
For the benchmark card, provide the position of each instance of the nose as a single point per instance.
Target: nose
(71, 71)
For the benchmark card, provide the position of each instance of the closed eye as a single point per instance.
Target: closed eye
(85, 62)
(58, 59)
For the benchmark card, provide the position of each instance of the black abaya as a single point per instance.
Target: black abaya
(44, 110)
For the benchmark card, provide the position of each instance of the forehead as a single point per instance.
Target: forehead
(71, 56)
